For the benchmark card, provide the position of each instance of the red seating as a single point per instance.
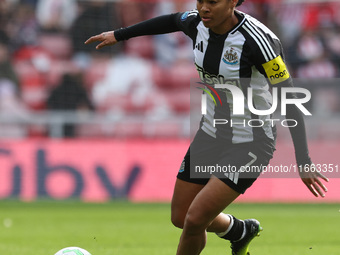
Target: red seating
(58, 45)
(178, 100)
(177, 76)
(96, 71)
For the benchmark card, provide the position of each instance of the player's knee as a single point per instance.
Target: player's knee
(177, 220)
(193, 223)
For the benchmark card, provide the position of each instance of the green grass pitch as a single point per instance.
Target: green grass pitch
(123, 228)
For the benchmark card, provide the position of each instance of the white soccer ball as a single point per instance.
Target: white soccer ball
(72, 251)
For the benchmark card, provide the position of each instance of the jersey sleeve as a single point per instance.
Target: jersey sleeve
(181, 21)
(269, 59)
(187, 22)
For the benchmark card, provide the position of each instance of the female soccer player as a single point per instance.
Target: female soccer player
(229, 47)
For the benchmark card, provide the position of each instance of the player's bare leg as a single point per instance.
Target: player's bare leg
(206, 206)
(184, 194)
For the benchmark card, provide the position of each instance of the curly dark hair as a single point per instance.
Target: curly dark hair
(239, 2)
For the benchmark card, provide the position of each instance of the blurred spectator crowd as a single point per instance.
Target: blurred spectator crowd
(44, 64)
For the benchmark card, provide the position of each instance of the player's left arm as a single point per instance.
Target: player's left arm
(309, 176)
(278, 75)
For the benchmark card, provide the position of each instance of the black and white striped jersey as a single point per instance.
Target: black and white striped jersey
(246, 56)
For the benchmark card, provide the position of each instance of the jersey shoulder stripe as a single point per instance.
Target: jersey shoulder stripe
(193, 12)
(239, 25)
(187, 14)
(263, 35)
(188, 22)
(262, 42)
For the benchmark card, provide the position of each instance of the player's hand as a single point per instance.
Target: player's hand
(106, 39)
(312, 179)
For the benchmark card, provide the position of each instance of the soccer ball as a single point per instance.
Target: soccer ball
(72, 251)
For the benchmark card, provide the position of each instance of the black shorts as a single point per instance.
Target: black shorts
(237, 165)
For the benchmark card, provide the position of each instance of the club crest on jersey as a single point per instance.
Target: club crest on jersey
(230, 57)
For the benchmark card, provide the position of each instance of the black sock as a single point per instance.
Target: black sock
(235, 230)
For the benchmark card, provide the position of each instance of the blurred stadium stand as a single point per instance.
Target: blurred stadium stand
(140, 88)
(137, 94)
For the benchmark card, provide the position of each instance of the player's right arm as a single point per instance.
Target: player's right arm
(159, 25)
(106, 39)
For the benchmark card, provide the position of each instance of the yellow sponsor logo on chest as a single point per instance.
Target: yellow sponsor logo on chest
(276, 70)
